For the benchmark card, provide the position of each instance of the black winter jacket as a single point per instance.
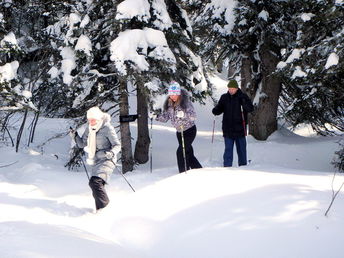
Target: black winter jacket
(230, 106)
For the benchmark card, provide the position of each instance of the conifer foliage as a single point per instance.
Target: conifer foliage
(312, 73)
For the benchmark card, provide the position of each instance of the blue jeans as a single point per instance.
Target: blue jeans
(240, 144)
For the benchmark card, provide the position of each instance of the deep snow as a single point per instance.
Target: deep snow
(272, 208)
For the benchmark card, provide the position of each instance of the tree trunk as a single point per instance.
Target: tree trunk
(142, 144)
(21, 129)
(264, 89)
(127, 153)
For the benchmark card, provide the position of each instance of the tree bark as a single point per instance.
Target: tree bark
(142, 144)
(127, 153)
(264, 88)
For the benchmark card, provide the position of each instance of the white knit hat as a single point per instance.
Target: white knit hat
(95, 113)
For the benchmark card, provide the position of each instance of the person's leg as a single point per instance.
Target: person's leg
(180, 155)
(240, 144)
(98, 192)
(189, 137)
(228, 154)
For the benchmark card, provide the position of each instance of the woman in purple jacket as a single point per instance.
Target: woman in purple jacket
(179, 109)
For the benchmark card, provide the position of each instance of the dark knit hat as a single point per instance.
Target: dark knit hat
(232, 84)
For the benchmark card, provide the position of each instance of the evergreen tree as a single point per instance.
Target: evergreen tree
(14, 95)
(79, 64)
(163, 50)
(313, 70)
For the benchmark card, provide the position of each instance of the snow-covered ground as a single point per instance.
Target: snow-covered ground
(272, 208)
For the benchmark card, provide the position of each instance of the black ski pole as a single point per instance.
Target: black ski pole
(132, 188)
(83, 163)
(79, 154)
(151, 146)
(183, 146)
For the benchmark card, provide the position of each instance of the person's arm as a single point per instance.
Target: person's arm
(246, 103)
(111, 135)
(115, 143)
(82, 141)
(219, 108)
(188, 114)
(163, 117)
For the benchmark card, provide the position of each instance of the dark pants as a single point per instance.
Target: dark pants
(240, 144)
(191, 161)
(98, 190)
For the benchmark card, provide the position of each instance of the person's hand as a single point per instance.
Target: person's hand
(152, 115)
(109, 154)
(180, 114)
(155, 113)
(105, 154)
(72, 133)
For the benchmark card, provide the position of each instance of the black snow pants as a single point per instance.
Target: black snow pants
(97, 185)
(191, 161)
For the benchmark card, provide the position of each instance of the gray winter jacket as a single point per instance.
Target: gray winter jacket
(170, 113)
(106, 141)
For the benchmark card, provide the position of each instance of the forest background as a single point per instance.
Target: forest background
(59, 58)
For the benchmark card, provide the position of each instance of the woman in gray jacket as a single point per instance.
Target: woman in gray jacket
(178, 108)
(101, 145)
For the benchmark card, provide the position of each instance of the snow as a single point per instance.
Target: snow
(264, 15)
(163, 20)
(259, 95)
(84, 44)
(133, 8)
(307, 16)
(221, 9)
(296, 54)
(9, 38)
(68, 64)
(153, 85)
(134, 45)
(27, 94)
(53, 72)
(332, 60)
(298, 73)
(274, 207)
(281, 65)
(8, 71)
(73, 19)
(85, 21)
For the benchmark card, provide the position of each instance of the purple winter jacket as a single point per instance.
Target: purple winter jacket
(170, 113)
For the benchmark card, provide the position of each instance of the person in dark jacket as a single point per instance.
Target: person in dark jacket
(101, 145)
(234, 105)
(179, 109)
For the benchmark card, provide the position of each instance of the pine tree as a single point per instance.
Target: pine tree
(246, 37)
(157, 63)
(14, 96)
(78, 66)
(313, 70)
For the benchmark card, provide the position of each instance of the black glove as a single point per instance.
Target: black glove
(155, 113)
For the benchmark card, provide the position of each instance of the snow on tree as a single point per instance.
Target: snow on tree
(14, 95)
(155, 47)
(312, 68)
(247, 36)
